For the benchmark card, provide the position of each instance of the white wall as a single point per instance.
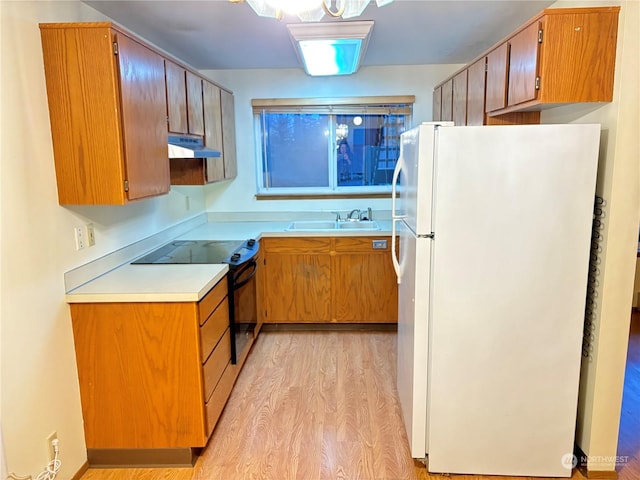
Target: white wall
(602, 374)
(38, 378)
(246, 85)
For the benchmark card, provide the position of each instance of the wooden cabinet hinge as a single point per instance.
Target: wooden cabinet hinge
(540, 35)
(537, 83)
(115, 48)
(126, 185)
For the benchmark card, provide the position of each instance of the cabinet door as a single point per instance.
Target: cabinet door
(364, 282)
(195, 113)
(437, 104)
(497, 71)
(228, 134)
(577, 56)
(213, 130)
(459, 115)
(143, 122)
(475, 92)
(447, 101)
(523, 65)
(176, 78)
(296, 278)
(297, 288)
(108, 115)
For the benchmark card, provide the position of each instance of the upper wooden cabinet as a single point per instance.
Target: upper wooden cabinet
(228, 135)
(109, 146)
(563, 55)
(447, 101)
(219, 134)
(497, 75)
(459, 99)
(213, 131)
(185, 112)
(476, 92)
(437, 104)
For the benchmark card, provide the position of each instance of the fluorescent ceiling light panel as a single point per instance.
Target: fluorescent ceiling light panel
(333, 48)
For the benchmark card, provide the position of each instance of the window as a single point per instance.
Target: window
(329, 146)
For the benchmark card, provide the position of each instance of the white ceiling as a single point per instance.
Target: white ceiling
(216, 34)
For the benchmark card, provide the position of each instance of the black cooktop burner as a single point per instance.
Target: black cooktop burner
(233, 252)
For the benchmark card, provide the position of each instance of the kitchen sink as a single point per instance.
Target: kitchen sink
(315, 225)
(312, 225)
(359, 225)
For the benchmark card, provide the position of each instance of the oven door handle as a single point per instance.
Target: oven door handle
(253, 265)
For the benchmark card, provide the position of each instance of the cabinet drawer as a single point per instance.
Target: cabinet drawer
(215, 365)
(211, 300)
(363, 244)
(297, 245)
(218, 400)
(213, 329)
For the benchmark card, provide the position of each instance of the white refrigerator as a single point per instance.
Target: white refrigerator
(494, 226)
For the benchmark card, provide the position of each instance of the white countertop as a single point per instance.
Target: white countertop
(150, 283)
(257, 229)
(190, 283)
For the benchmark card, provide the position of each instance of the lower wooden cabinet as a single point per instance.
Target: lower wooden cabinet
(153, 375)
(329, 280)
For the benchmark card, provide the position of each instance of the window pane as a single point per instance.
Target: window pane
(296, 150)
(367, 148)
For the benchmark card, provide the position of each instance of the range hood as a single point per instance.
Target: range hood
(189, 147)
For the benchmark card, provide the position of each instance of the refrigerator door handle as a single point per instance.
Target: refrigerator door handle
(394, 183)
(394, 255)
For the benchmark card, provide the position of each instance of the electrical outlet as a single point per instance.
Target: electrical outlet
(80, 238)
(50, 440)
(91, 235)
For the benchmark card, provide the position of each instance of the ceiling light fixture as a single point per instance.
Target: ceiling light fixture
(331, 48)
(310, 10)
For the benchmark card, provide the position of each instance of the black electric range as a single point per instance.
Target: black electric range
(232, 252)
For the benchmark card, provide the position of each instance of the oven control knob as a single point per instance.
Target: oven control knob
(251, 242)
(235, 257)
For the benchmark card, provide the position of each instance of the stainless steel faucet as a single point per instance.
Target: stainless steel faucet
(350, 216)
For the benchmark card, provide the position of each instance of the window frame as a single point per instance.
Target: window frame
(399, 104)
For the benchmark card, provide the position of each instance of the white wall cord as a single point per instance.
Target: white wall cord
(51, 470)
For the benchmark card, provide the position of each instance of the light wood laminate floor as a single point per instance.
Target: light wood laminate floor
(322, 405)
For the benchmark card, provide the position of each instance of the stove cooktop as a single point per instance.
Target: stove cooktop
(233, 252)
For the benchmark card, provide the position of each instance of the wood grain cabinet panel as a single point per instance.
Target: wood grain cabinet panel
(195, 111)
(146, 378)
(297, 287)
(228, 135)
(364, 287)
(578, 54)
(447, 101)
(107, 107)
(523, 65)
(185, 111)
(459, 100)
(437, 104)
(476, 92)
(324, 279)
(176, 81)
(497, 78)
(213, 131)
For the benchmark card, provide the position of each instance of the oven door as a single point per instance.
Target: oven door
(243, 313)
